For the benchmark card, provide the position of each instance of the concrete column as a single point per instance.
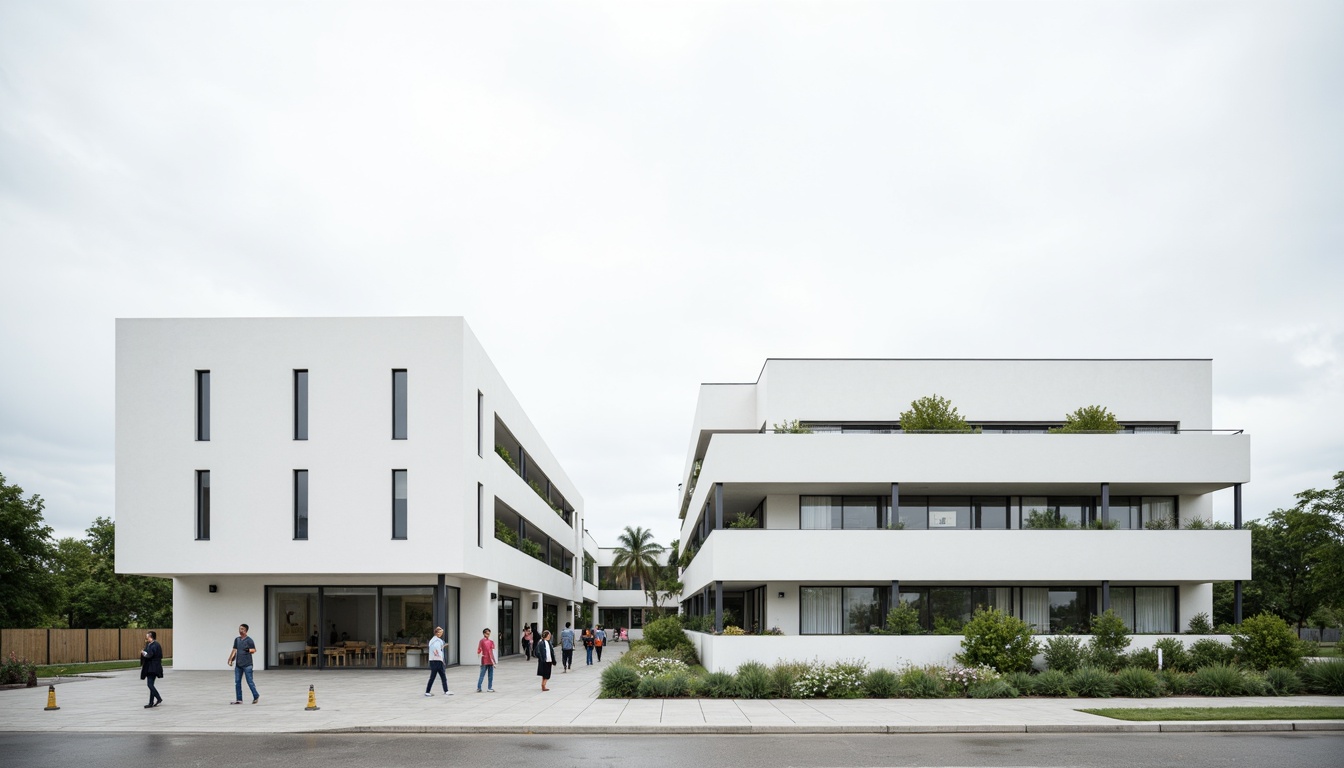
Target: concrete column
(440, 604)
(718, 506)
(895, 504)
(718, 607)
(1105, 503)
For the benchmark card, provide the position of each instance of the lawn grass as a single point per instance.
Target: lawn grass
(1220, 713)
(55, 670)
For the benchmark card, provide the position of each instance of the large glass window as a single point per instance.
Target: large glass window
(1160, 510)
(202, 504)
(202, 405)
(990, 512)
(820, 512)
(836, 512)
(300, 405)
(841, 610)
(949, 512)
(398, 405)
(407, 622)
(1070, 610)
(300, 503)
(292, 630)
(351, 614)
(1145, 609)
(863, 609)
(398, 503)
(914, 512)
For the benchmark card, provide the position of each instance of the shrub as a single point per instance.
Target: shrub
(784, 677)
(1092, 683)
(1053, 682)
(665, 633)
(918, 683)
(904, 620)
(1089, 418)
(933, 414)
(1064, 653)
(843, 680)
(1024, 682)
(882, 684)
(1210, 652)
(1218, 680)
(1174, 655)
(992, 689)
(15, 671)
(619, 682)
(1109, 641)
(1282, 682)
(753, 681)
(957, 680)
(666, 686)
(1200, 625)
(998, 640)
(719, 685)
(731, 630)
(1138, 683)
(1266, 641)
(660, 665)
(1325, 677)
(1142, 658)
(794, 427)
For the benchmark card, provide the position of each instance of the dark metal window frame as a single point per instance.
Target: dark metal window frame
(203, 405)
(300, 504)
(300, 403)
(400, 404)
(202, 505)
(407, 521)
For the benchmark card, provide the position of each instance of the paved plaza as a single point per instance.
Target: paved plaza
(394, 701)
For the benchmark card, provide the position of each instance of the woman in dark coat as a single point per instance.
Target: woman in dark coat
(151, 667)
(545, 653)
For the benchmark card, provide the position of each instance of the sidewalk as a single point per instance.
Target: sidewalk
(353, 701)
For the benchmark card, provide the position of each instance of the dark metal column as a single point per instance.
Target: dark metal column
(895, 504)
(718, 607)
(1105, 504)
(1105, 595)
(1236, 602)
(1236, 523)
(718, 506)
(440, 609)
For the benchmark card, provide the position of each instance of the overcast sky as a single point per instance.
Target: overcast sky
(627, 199)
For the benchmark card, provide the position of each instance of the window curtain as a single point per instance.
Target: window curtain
(1122, 602)
(1159, 508)
(1036, 608)
(1155, 609)
(822, 611)
(814, 512)
(1001, 598)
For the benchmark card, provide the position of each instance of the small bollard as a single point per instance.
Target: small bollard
(51, 698)
(312, 701)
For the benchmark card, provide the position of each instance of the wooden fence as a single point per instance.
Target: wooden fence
(78, 646)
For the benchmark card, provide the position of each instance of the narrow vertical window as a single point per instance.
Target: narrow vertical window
(398, 405)
(480, 425)
(202, 405)
(480, 510)
(300, 504)
(398, 503)
(300, 405)
(202, 505)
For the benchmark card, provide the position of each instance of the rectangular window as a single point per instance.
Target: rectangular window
(202, 405)
(914, 512)
(1145, 609)
(863, 513)
(949, 512)
(991, 512)
(398, 503)
(480, 515)
(841, 610)
(480, 423)
(300, 405)
(202, 505)
(398, 405)
(301, 504)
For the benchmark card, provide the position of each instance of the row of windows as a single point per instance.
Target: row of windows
(979, 512)
(399, 505)
(399, 397)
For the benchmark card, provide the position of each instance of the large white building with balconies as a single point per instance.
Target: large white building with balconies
(817, 533)
(342, 486)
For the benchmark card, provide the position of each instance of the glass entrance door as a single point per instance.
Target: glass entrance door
(506, 640)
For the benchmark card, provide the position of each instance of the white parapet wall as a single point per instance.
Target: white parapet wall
(725, 653)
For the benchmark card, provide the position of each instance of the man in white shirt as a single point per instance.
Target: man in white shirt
(436, 646)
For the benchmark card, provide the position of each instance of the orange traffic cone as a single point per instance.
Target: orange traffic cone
(312, 701)
(51, 698)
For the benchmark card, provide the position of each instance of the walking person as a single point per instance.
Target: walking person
(588, 644)
(566, 647)
(527, 643)
(485, 648)
(545, 658)
(436, 646)
(151, 667)
(599, 640)
(240, 658)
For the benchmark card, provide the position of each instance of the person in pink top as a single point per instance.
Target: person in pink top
(486, 650)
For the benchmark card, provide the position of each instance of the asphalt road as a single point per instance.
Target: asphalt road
(1131, 750)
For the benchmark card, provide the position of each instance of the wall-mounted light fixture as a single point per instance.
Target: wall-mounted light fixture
(781, 594)
(214, 588)
(534, 606)
(569, 609)
(494, 596)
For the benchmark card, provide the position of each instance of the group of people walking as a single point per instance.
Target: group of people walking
(542, 648)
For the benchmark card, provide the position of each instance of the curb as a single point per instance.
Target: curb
(820, 729)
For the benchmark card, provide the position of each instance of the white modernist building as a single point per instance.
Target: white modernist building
(816, 535)
(340, 485)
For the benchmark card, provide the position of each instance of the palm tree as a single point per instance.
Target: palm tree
(637, 558)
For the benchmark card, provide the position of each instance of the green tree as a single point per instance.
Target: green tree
(28, 588)
(998, 640)
(933, 414)
(1090, 418)
(95, 596)
(637, 559)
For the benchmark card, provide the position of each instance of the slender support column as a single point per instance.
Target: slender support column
(1105, 503)
(1105, 595)
(1236, 602)
(895, 593)
(1236, 506)
(440, 609)
(704, 601)
(895, 510)
(718, 506)
(718, 607)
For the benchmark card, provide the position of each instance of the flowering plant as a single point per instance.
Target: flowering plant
(657, 665)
